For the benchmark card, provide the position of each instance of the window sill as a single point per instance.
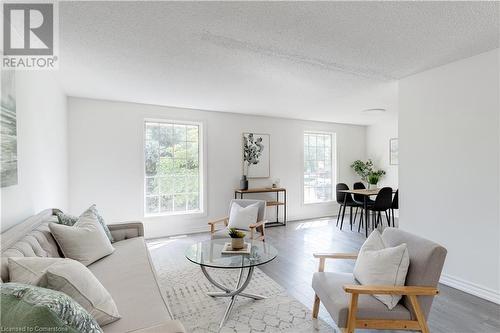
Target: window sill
(319, 203)
(184, 214)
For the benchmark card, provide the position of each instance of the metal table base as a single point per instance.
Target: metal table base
(233, 293)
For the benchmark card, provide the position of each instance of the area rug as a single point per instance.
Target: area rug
(185, 287)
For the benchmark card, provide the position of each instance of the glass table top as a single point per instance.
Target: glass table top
(208, 253)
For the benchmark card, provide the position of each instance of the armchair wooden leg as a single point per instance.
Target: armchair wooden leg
(251, 233)
(353, 308)
(316, 306)
(418, 313)
(263, 233)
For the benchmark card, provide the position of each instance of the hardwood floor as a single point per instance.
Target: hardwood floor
(453, 311)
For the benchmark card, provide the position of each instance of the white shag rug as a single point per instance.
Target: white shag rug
(185, 287)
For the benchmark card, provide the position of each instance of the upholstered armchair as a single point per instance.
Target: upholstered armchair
(352, 305)
(257, 229)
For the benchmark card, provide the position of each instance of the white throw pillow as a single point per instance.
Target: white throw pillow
(242, 217)
(378, 264)
(70, 277)
(85, 241)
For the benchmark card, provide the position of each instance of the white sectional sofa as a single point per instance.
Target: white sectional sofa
(128, 273)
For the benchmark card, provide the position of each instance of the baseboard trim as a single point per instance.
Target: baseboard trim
(205, 228)
(190, 231)
(471, 288)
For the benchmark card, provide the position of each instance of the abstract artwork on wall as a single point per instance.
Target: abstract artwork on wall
(8, 130)
(394, 151)
(256, 155)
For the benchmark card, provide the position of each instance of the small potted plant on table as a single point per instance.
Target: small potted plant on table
(237, 239)
(374, 177)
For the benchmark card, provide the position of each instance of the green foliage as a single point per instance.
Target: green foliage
(373, 178)
(362, 168)
(172, 168)
(367, 172)
(234, 233)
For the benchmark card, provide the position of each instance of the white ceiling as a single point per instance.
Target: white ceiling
(310, 60)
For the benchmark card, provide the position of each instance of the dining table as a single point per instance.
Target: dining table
(366, 193)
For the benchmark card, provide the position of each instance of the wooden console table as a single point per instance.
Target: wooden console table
(274, 203)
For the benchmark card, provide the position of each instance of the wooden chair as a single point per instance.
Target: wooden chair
(352, 305)
(255, 228)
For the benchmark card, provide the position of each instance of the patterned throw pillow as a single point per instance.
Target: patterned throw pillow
(25, 307)
(70, 220)
(66, 219)
(101, 221)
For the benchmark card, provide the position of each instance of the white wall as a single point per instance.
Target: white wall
(449, 167)
(377, 148)
(42, 149)
(106, 160)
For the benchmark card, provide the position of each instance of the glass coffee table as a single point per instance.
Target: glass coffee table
(209, 254)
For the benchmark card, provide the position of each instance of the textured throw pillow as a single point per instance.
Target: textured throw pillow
(28, 308)
(242, 217)
(85, 241)
(66, 219)
(70, 277)
(70, 220)
(378, 264)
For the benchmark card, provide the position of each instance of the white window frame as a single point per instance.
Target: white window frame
(333, 154)
(201, 168)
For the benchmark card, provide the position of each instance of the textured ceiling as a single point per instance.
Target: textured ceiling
(309, 60)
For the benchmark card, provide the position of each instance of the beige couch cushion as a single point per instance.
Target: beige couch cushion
(329, 288)
(128, 276)
(86, 241)
(24, 241)
(70, 277)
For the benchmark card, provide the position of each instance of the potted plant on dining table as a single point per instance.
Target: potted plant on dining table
(367, 172)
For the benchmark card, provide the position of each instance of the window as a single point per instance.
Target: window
(172, 168)
(318, 170)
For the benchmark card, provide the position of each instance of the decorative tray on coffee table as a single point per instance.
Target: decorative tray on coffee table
(227, 249)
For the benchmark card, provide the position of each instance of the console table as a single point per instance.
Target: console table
(273, 203)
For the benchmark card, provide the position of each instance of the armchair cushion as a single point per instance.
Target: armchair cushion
(261, 216)
(378, 264)
(328, 286)
(242, 217)
(426, 262)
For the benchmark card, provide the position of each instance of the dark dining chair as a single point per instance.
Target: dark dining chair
(383, 202)
(359, 199)
(395, 205)
(344, 200)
